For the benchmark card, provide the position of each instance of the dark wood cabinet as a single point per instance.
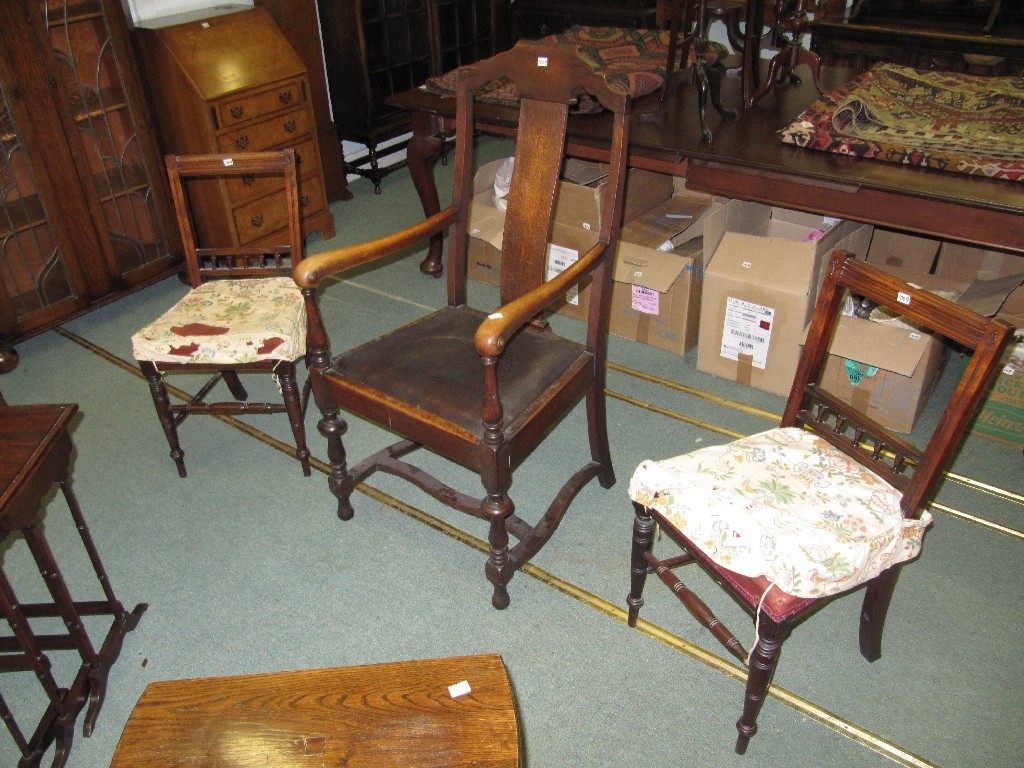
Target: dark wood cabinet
(536, 18)
(376, 48)
(85, 214)
(982, 37)
(233, 83)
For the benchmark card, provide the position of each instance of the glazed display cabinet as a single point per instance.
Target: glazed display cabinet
(374, 49)
(84, 215)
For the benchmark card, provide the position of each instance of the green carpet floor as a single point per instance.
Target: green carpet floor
(246, 568)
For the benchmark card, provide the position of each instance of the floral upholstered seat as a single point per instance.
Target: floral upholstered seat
(786, 505)
(226, 322)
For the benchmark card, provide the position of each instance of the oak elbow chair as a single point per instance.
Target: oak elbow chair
(788, 519)
(483, 388)
(244, 313)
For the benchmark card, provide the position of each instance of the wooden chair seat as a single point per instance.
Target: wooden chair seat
(430, 369)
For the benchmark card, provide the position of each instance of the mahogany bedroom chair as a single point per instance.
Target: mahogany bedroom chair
(788, 519)
(482, 388)
(244, 313)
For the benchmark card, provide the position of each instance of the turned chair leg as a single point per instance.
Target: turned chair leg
(293, 406)
(332, 427)
(643, 540)
(158, 390)
(763, 661)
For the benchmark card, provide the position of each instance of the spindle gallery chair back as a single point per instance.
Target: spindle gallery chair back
(244, 313)
(788, 519)
(483, 388)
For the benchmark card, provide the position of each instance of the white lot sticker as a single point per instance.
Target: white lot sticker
(560, 259)
(748, 331)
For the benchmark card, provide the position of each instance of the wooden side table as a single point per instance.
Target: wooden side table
(35, 453)
(441, 712)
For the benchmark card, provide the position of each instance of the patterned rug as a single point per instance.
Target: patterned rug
(944, 120)
(631, 60)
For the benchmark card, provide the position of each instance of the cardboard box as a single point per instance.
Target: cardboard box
(577, 216)
(658, 274)
(909, 254)
(1001, 417)
(964, 262)
(884, 371)
(889, 371)
(760, 287)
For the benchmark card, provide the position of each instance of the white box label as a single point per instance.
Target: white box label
(747, 330)
(560, 259)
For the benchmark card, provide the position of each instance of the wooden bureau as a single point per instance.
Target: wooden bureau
(233, 83)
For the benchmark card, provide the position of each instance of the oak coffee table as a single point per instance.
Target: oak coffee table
(440, 712)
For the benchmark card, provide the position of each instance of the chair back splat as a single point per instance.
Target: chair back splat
(484, 388)
(829, 501)
(244, 314)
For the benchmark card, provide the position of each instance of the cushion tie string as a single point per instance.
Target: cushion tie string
(757, 622)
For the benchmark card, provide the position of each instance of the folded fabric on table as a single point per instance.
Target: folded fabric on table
(945, 120)
(631, 60)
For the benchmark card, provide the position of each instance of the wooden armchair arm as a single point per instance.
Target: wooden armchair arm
(309, 272)
(500, 325)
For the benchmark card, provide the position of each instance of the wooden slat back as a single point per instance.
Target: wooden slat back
(206, 261)
(549, 79)
(913, 470)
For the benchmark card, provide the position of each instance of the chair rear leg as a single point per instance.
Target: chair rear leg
(763, 661)
(234, 384)
(873, 610)
(293, 406)
(643, 540)
(158, 390)
(597, 427)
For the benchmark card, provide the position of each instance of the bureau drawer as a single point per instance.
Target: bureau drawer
(284, 129)
(253, 106)
(241, 188)
(263, 217)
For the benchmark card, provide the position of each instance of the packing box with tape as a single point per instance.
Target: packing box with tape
(760, 287)
(888, 368)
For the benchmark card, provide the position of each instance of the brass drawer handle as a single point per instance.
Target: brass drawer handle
(242, 142)
(237, 112)
(285, 97)
(289, 126)
(248, 179)
(304, 201)
(257, 221)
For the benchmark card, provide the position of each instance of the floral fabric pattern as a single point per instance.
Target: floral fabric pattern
(229, 322)
(947, 121)
(786, 505)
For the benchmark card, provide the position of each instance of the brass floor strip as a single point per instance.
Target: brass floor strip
(701, 393)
